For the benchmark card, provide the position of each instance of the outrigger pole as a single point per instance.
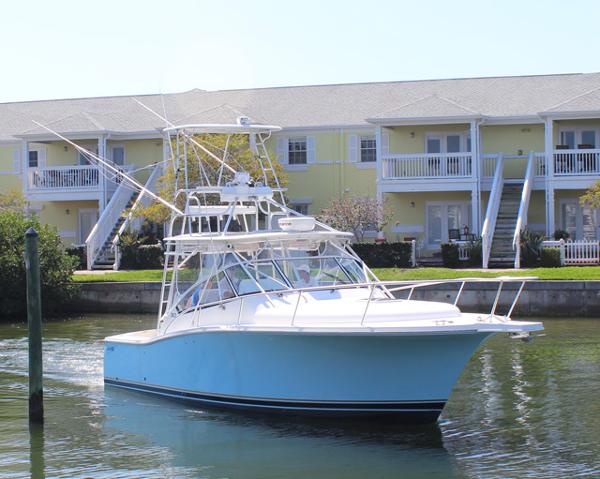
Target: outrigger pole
(186, 136)
(114, 170)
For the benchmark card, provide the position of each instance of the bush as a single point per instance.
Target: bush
(531, 245)
(450, 257)
(385, 255)
(561, 234)
(550, 258)
(79, 253)
(475, 251)
(56, 266)
(136, 254)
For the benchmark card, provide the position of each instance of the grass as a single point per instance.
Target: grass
(388, 274)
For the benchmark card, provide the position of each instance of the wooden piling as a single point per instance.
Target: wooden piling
(34, 322)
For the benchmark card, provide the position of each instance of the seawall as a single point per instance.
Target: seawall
(539, 298)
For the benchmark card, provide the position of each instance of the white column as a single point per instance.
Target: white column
(476, 171)
(103, 183)
(549, 155)
(550, 211)
(378, 146)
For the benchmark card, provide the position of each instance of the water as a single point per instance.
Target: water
(520, 410)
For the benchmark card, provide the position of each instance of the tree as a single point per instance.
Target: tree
(56, 266)
(239, 157)
(12, 201)
(591, 197)
(357, 214)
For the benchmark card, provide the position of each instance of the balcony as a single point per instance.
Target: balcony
(427, 165)
(64, 183)
(576, 162)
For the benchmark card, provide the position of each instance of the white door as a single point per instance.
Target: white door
(87, 219)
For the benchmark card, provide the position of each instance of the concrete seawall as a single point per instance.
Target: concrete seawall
(540, 298)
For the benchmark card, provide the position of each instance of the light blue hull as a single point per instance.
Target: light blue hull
(309, 373)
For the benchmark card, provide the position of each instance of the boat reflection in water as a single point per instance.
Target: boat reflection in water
(236, 444)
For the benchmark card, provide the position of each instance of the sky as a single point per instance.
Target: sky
(69, 49)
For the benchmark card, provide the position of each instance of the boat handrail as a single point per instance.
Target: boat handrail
(389, 287)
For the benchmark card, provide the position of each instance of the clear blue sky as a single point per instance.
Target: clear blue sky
(63, 49)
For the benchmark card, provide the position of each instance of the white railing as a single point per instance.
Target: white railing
(142, 199)
(576, 252)
(523, 208)
(488, 162)
(576, 162)
(489, 223)
(64, 177)
(540, 164)
(427, 165)
(106, 223)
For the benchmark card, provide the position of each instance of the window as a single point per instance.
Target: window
(118, 155)
(33, 159)
(297, 152)
(84, 159)
(578, 138)
(368, 149)
(442, 217)
(581, 222)
(301, 208)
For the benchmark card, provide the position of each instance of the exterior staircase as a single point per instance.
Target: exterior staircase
(106, 256)
(502, 254)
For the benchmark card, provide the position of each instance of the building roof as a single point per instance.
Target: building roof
(314, 106)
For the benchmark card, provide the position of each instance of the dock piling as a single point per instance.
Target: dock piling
(34, 322)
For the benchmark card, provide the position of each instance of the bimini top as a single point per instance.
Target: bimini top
(215, 242)
(240, 128)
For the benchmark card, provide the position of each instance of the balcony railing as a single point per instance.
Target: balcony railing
(427, 165)
(64, 177)
(576, 162)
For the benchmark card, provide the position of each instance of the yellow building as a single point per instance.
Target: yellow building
(453, 159)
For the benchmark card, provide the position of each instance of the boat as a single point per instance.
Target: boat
(265, 309)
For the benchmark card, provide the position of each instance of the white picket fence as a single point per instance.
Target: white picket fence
(579, 252)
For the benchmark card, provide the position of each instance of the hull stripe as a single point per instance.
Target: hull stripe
(387, 406)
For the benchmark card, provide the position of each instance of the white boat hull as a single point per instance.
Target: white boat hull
(317, 373)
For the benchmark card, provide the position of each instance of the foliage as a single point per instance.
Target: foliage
(591, 197)
(450, 257)
(79, 253)
(12, 201)
(531, 244)
(239, 157)
(561, 234)
(384, 255)
(475, 252)
(550, 258)
(137, 253)
(56, 266)
(357, 214)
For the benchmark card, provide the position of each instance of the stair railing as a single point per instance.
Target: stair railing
(108, 219)
(523, 208)
(489, 224)
(141, 199)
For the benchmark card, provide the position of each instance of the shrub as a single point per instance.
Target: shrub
(531, 244)
(561, 234)
(56, 266)
(385, 255)
(79, 253)
(475, 253)
(450, 255)
(136, 254)
(550, 258)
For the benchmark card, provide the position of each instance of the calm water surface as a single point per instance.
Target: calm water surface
(520, 410)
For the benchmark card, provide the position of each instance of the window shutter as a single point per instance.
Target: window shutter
(282, 150)
(310, 150)
(16, 161)
(42, 158)
(353, 148)
(385, 143)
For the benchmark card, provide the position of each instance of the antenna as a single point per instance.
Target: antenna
(111, 168)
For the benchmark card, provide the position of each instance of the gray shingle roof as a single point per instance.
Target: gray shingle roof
(310, 106)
